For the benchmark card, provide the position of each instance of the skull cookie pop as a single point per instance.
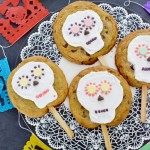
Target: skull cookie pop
(83, 31)
(36, 86)
(133, 62)
(99, 96)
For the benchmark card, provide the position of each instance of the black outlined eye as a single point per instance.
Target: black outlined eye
(88, 22)
(37, 72)
(23, 82)
(75, 29)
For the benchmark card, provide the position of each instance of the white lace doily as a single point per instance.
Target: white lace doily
(130, 134)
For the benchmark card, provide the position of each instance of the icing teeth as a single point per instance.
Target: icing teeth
(101, 111)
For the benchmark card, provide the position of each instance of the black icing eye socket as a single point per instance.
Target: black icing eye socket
(88, 22)
(37, 72)
(75, 29)
(24, 82)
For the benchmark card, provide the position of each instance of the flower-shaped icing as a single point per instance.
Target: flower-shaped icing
(142, 50)
(105, 87)
(23, 82)
(91, 89)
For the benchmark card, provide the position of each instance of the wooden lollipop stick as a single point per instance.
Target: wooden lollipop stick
(106, 137)
(103, 127)
(143, 103)
(61, 121)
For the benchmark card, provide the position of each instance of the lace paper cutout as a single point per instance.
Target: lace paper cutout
(42, 43)
(18, 17)
(5, 103)
(130, 134)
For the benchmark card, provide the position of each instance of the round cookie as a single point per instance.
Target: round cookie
(82, 115)
(58, 87)
(78, 54)
(125, 67)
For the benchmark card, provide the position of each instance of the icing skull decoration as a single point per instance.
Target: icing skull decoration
(100, 93)
(34, 81)
(139, 57)
(83, 29)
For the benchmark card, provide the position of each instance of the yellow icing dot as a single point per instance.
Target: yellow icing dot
(91, 89)
(105, 87)
(37, 72)
(23, 82)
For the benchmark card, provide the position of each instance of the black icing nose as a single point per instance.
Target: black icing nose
(86, 32)
(35, 83)
(100, 98)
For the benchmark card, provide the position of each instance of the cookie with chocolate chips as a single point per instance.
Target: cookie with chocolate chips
(99, 95)
(133, 58)
(36, 84)
(83, 31)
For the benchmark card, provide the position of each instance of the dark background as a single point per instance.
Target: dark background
(12, 137)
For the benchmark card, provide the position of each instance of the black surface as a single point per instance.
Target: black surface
(12, 137)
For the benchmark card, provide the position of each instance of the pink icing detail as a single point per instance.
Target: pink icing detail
(101, 84)
(93, 94)
(42, 94)
(75, 29)
(137, 49)
(88, 22)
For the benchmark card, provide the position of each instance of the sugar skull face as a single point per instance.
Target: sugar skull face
(100, 93)
(34, 81)
(83, 29)
(139, 57)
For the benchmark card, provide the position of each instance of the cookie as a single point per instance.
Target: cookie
(35, 84)
(132, 58)
(99, 95)
(83, 31)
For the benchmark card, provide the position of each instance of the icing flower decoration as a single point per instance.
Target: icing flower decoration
(142, 50)
(75, 29)
(91, 89)
(147, 6)
(24, 82)
(105, 87)
(88, 22)
(37, 72)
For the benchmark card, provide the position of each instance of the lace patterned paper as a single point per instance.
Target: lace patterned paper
(130, 134)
